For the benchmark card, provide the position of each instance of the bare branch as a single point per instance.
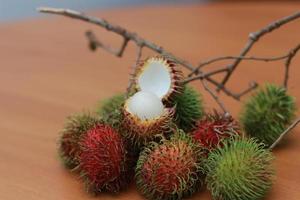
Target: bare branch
(215, 97)
(291, 54)
(213, 60)
(140, 42)
(293, 125)
(254, 37)
(199, 74)
(94, 43)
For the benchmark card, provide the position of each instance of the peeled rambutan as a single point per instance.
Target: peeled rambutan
(171, 169)
(213, 129)
(159, 76)
(267, 113)
(110, 110)
(189, 108)
(75, 126)
(105, 163)
(145, 117)
(240, 170)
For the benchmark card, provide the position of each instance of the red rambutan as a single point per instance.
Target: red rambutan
(213, 128)
(170, 170)
(104, 161)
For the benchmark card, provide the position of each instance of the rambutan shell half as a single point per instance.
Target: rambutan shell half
(160, 76)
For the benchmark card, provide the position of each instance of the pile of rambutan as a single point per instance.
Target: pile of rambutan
(160, 137)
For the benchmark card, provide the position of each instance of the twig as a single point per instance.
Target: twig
(293, 125)
(217, 59)
(292, 54)
(94, 43)
(254, 37)
(215, 97)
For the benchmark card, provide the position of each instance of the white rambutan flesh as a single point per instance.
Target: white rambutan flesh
(155, 78)
(145, 105)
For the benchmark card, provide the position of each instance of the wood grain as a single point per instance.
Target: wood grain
(47, 73)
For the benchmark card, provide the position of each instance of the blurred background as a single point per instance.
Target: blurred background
(19, 9)
(47, 73)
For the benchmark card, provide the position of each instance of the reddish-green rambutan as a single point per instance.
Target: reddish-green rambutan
(213, 128)
(170, 170)
(75, 127)
(105, 164)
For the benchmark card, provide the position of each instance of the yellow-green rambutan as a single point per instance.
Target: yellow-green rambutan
(75, 127)
(171, 169)
(110, 110)
(267, 113)
(189, 108)
(239, 170)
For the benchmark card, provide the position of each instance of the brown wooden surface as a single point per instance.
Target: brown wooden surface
(47, 73)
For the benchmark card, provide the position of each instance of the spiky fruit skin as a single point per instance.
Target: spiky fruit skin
(267, 113)
(75, 127)
(213, 129)
(110, 110)
(189, 108)
(105, 164)
(170, 170)
(141, 132)
(176, 76)
(240, 170)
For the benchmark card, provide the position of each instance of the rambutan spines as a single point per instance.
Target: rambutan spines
(170, 170)
(267, 113)
(240, 170)
(105, 163)
(75, 127)
(213, 129)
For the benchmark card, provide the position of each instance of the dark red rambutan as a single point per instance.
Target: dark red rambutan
(213, 128)
(75, 126)
(105, 163)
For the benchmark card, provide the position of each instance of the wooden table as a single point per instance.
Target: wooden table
(47, 73)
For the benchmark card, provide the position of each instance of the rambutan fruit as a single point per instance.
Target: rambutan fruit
(75, 126)
(213, 129)
(240, 170)
(110, 110)
(170, 169)
(189, 108)
(145, 117)
(267, 113)
(159, 76)
(105, 163)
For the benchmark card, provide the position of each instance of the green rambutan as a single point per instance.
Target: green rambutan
(75, 126)
(189, 108)
(267, 113)
(105, 163)
(171, 169)
(240, 170)
(110, 110)
(213, 129)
